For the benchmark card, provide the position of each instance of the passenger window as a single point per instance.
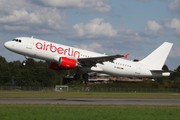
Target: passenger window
(19, 40)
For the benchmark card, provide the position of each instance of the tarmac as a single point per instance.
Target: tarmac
(91, 101)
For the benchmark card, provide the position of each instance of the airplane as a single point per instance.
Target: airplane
(62, 57)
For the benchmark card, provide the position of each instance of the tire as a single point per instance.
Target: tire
(76, 76)
(24, 63)
(85, 76)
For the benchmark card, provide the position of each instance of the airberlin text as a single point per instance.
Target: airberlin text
(60, 50)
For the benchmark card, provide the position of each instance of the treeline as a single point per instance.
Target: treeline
(143, 84)
(37, 74)
(33, 74)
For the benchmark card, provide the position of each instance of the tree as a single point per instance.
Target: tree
(5, 74)
(176, 74)
(165, 67)
(135, 60)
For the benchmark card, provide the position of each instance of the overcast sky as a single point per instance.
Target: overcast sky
(134, 27)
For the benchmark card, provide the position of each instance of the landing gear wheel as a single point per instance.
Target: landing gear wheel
(76, 76)
(85, 76)
(24, 63)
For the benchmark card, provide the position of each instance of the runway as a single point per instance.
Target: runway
(90, 101)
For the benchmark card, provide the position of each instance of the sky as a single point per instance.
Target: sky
(134, 27)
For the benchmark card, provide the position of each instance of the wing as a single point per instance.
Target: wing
(89, 62)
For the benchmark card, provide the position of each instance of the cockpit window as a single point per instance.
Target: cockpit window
(17, 40)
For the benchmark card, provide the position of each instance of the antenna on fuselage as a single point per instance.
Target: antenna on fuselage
(32, 36)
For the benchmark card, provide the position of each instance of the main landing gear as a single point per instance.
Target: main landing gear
(76, 76)
(85, 76)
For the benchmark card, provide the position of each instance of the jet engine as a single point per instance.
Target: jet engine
(67, 63)
(64, 63)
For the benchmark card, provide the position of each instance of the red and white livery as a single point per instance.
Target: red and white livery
(63, 57)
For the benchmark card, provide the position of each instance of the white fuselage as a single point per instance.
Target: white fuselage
(48, 51)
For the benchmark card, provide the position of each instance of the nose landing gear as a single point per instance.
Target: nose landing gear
(24, 62)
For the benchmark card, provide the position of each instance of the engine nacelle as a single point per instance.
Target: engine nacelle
(67, 63)
(54, 66)
(64, 63)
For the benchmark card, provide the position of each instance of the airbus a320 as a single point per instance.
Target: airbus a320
(62, 57)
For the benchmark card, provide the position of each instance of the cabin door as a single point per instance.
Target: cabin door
(29, 44)
(138, 68)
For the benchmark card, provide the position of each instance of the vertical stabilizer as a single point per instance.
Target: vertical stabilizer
(158, 57)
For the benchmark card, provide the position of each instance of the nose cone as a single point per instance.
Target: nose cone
(7, 45)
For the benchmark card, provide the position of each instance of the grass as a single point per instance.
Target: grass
(14, 94)
(48, 112)
(88, 113)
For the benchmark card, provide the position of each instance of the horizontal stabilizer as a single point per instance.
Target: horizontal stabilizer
(162, 71)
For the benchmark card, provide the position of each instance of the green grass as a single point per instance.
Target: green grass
(38, 112)
(14, 94)
(88, 113)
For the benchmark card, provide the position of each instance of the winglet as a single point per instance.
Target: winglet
(126, 55)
